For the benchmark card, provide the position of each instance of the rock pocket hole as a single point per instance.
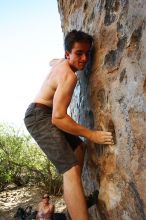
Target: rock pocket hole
(111, 128)
(135, 39)
(85, 6)
(144, 88)
(116, 6)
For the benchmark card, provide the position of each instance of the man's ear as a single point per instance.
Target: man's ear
(67, 54)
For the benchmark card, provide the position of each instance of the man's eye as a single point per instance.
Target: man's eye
(81, 53)
(78, 54)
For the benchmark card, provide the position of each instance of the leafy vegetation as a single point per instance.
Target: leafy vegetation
(23, 162)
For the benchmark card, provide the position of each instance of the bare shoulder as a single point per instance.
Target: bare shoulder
(65, 72)
(54, 62)
(63, 69)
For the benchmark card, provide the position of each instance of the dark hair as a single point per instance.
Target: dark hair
(76, 36)
(46, 196)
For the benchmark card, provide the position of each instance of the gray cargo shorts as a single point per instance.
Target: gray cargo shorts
(58, 145)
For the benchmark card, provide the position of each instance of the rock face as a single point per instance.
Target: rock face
(111, 96)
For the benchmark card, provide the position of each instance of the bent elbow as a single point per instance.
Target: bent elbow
(54, 120)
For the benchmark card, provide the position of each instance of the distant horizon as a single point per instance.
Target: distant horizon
(30, 37)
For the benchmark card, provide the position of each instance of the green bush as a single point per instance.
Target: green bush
(23, 162)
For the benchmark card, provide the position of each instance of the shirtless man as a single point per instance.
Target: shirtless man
(55, 131)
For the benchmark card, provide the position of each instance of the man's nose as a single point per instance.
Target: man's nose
(84, 57)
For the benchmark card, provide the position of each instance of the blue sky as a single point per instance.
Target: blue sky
(30, 36)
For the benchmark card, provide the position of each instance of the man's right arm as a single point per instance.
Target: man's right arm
(63, 121)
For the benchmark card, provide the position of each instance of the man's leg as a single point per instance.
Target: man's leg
(74, 194)
(80, 153)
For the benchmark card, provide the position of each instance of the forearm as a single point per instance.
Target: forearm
(69, 125)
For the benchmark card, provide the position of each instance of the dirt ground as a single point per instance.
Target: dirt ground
(13, 198)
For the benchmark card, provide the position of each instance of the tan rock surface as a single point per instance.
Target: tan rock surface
(111, 95)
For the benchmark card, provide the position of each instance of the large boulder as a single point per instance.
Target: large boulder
(111, 96)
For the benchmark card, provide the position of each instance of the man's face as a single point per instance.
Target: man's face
(45, 198)
(79, 55)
